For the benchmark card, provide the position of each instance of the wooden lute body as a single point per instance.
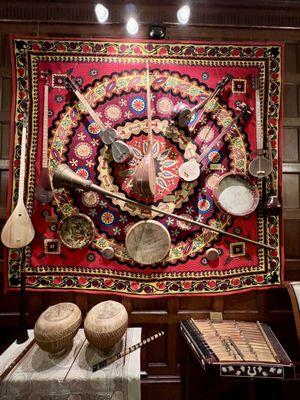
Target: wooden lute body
(43, 192)
(144, 180)
(18, 230)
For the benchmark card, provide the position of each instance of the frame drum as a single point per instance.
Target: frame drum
(76, 231)
(235, 194)
(148, 242)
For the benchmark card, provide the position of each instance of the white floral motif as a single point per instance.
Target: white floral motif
(123, 219)
(89, 163)
(103, 204)
(95, 142)
(175, 232)
(128, 114)
(199, 218)
(190, 210)
(117, 230)
(164, 105)
(123, 102)
(74, 162)
(170, 221)
(92, 212)
(81, 136)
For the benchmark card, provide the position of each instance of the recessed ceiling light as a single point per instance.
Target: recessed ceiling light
(101, 13)
(132, 26)
(183, 14)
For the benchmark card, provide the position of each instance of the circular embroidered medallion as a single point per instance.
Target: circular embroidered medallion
(204, 205)
(211, 181)
(107, 218)
(214, 156)
(138, 105)
(94, 129)
(164, 105)
(113, 112)
(206, 134)
(83, 172)
(90, 199)
(83, 150)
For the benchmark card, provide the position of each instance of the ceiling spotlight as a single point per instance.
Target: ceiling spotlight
(132, 26)
(101, 13)
(157, 31)
(183, 14)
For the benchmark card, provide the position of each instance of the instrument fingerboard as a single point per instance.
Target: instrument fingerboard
(259, 133)
(149, 110)
(217, 138)
(45, 128)
(23, 157)
(89, 109)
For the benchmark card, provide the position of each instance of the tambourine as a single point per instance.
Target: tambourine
(235, 194)
(76, 231)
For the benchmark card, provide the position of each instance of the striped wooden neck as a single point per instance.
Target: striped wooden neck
(22, 161)
(217, 138)
(149, 110)
(89, 109)
(45, 129)
(259, 138)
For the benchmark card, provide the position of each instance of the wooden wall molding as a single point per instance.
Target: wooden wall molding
(282, 14)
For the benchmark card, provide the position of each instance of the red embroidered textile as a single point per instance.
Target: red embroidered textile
(111, 75)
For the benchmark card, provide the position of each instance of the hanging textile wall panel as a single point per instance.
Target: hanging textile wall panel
(112, 77)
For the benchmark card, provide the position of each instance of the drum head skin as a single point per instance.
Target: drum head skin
(148, 242)
(236, 195)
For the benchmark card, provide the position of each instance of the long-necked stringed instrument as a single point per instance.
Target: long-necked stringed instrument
(64, 177)
(191, 170)
(144, 178)
(260, 166)
(43, 191)
(272, 205)
(183, 116)
(121, 152)
(18, 230)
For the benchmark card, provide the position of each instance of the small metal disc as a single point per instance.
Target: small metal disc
(108, 253)
(212, 254)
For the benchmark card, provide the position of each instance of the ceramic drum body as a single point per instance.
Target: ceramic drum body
(105, 324)
(56, 327)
